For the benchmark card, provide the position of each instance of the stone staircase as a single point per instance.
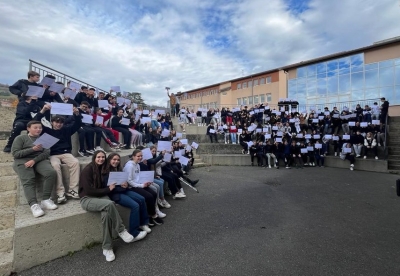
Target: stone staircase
(394, 145)
(8, 199)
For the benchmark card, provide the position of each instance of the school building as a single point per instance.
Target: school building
(343, 79)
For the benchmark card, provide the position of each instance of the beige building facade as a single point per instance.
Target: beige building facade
(361, 76)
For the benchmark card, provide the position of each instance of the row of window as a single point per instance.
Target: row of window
(253, 82)
(254, 99)
(186, 96)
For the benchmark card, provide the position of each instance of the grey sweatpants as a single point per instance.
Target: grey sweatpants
(110, 218)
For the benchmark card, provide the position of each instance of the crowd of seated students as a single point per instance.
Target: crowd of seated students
(90, 185)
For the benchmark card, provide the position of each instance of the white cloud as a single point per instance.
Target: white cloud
(181, 44)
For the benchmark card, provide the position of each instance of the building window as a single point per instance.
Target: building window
(262, 81)
(249, 84)
(250, 100)
(268, 79)
(244, 101)
(256, 99)
(239, 101)
(262, 98)
(244, 85)
(255, 82)
(269, 98)
(239, 86)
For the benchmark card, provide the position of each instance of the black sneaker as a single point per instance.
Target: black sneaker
(194, 182)
(82, 153)
(158, 221)
(7, 149)
(151, 222)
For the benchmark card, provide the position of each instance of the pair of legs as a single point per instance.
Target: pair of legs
(211, 135)
(18, 127)
(320, 160)
(86, 132)
(357, 149)
(233, 137)
(74, 170)
(269, 156)
(150, 197)
(126, 134)
(373, 149)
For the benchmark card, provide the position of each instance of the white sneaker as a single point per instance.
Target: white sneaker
(352, 165)
(48, 204)
(335, 153)
(165, 204)
(36, 210)
(142, 235)
(182, 191)
(109, 255)
(376, 157)
(269, 166)
(160, 214)
(125, 236)
(61, 199)
(365, 157)
(178, 195)
(99, 148)
(145, 228)
(351, 168)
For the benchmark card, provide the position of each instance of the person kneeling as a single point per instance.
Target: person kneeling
(29, 160)
(94, 198)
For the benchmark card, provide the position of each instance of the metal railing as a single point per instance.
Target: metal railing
(44, 70)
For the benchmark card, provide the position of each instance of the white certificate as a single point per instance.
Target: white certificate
(376, 122)
(194, 145)
(317, 136)
(34, 90)
(347, 150)
(87, 119)
(177, 154)
(47, 81)
(315, 121)
(188, 148)
(164, 145)
(183, 160)
(364, 124)
(307, 136)
(120, 100)
(99, 119)
(146, 112)
(116, 88)
(178, 135)
(212, 130)
(278, 140)
(265, 129)
(103, 103)
(258, 130)
(328, 136)
(56, 87)
(184, 141)
(346, 137)
(167, 157)
(74, 86)
(318, 146)
(146, 176)
(46, 140)
(352, 123)
(145, 120)
(69, 93)
(240, 130)
(147, 154)
(310, 148)
(118, 178)
(125, 121)
(303, 150)
(165, 133)
(61, 108)
(233, 127)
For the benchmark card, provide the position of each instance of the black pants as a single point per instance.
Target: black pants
(213, 135)
(99, 135)
(150, 197)
(177, 109)
(127, 135)
(18, 127)
(244, 145)
(173, 181)
(88, 133)
(280, 156)
(373, 149)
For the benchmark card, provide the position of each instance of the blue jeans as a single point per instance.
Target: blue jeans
(160, 182)
(233, 137)
(134, 218)
(129, 199)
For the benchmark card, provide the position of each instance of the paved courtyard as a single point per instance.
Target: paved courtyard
(256, 221)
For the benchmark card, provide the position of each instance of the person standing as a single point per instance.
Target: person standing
(384, 110)
(172, 102)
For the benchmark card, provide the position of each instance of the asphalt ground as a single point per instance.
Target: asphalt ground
(256, 221)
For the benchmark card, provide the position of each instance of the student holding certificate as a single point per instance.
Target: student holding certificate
(348, 154)
(211, 132)
(94, 198)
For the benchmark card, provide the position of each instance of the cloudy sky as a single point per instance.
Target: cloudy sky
(145, 45)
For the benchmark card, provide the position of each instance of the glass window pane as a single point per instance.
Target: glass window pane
(386, 63)
(311, 87)
(321, 87)
(387, 92)
(239, 86)
(344, 66)
(357, 62)
(371, 93)
(311, 70)
(386, 76)
(244, 85)
(344, 83)
(262, 81)
(250, 100)
(244, 100)
(321, 76)
(301, 90)
(397, 75)
(344, 98)
(357, 81)
(262, 98)
(268, 79)
(256, 99)
(239, 101)
(396, 98)
(301, 72)
(371, 66)
(321, 68)
(255, 82)
(332, 85)
(332, 68)
(357, 95)
(292, 85)
(249, 83)
(397, 61)
(269, 97)
(371, 78)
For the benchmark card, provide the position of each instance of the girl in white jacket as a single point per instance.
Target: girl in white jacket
(370, 145)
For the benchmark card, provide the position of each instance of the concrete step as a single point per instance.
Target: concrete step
(6, 240)
(6, 169)
(394, 150)
(394, 119)
(394, 157)
(203, 138)
(8, 183)
(394, 167)
(394, 171)
(6, 262)
(8, 199)
(218, 148)
(7, 218)
(200, 164)
(5, 157)
(330, 161)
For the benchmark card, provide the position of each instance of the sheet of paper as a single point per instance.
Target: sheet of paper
(346, 137)
(75, 86)
(99, 119)
(328, 136)
(240, 130)
(251, 112)
(307, 136)
(310, 148)
(347, 150)
(303, 150)
(352, 123)
(326, 113)
(194, 145)
(184, 141)
(300, 135)
(212, 130)
(188, 148)
(145, 120)
(265, 129)
(274, 128)
(233, 127)
(258, 130)
(165, 133)
(61, 109)
(47, 81)
(250, 143)
(118, 178)
(167, 157)
(321, 118)
(317, 136)
(291, 120)
(376, 122)
(145, 112)
(267, 136)
(116, 88)
(127, 102)
(278, 140)
(318, 146)
(279, 133)
(146, 176)
(34, 90)
(69, 93)
(164, 145)
(335, 115)
(177, 154)
(178, 135)
(46, 140)
(120, 100)
(315, 121)
(125, 121)
(282, 109)
(183, 160)
(87, 119)
(56, 87)
(335, 138)
(364, 124)
(103, 103)
(147, 154)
